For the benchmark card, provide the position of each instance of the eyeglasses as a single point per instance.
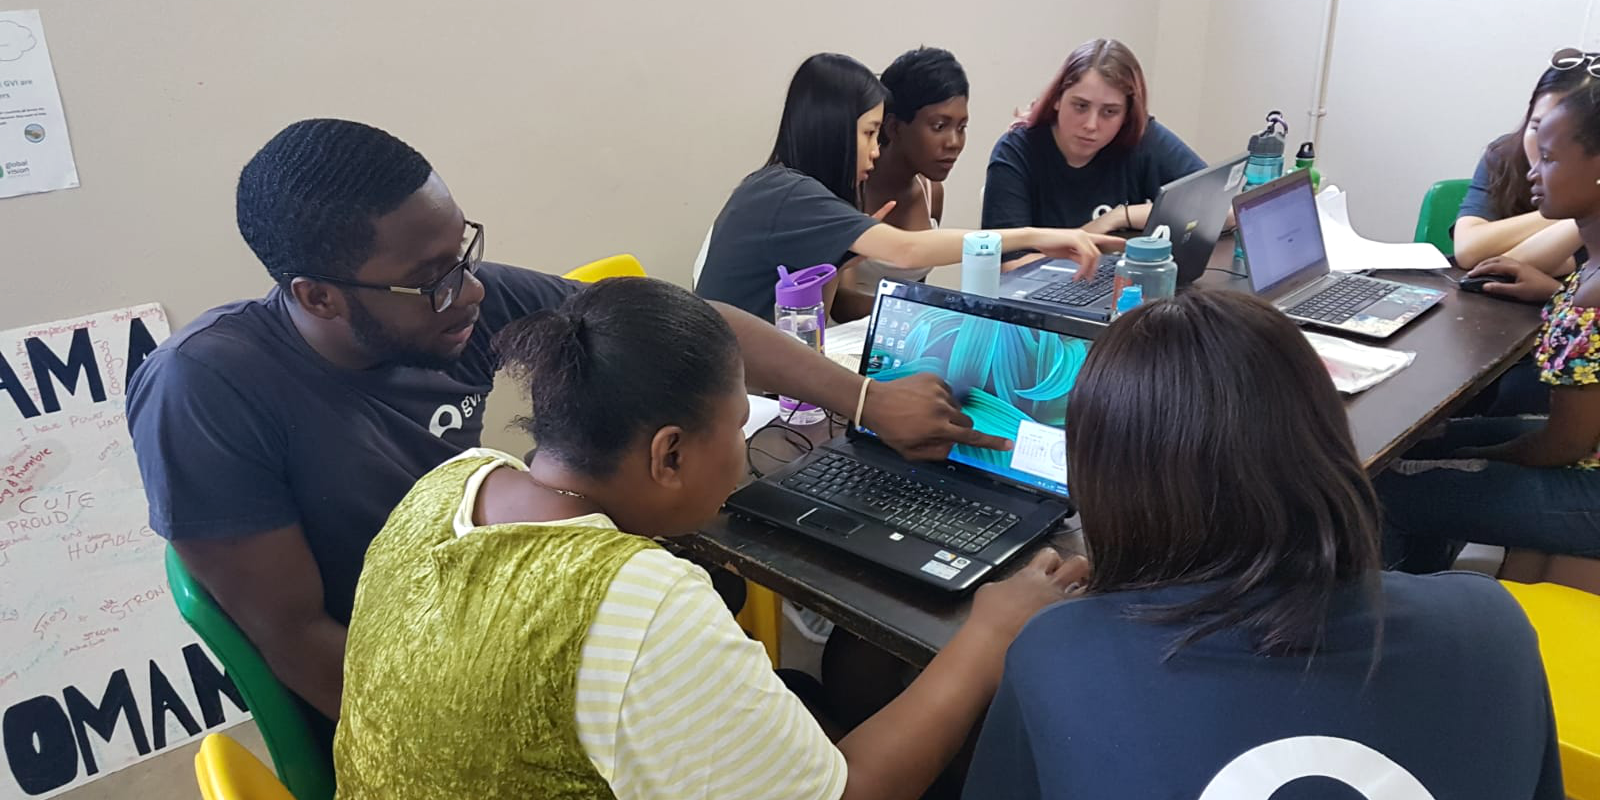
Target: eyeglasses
(1572, 58)
(440, 293)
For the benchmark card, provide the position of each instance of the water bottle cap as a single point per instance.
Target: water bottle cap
(980, 243)
(1266, 143)
(1132, 295)
(803, 288)
(1307, 151)
(1148, 248)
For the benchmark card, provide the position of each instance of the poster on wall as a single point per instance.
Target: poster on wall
(35, 152)
(97, 670)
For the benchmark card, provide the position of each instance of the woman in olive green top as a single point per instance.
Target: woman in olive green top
(516, 634)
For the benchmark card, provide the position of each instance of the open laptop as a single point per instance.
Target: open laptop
(1189, 212)
(1283, 245)
(946, 524)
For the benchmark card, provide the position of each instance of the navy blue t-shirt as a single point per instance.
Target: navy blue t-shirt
(240, 427)
(1031, 184)
(1457, 703)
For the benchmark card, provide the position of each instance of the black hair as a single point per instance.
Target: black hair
(1582, 105)
(307, 199)
(817, 134)
(922, 77)
(1209, 446)
(620, 359)
(1509, 190)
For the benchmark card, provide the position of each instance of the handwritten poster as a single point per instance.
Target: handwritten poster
(35, 151)
(97, 670)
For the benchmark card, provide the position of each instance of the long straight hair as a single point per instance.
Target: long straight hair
(817, 134)
(1509, 190)
(1118, 67)
(1208, 445)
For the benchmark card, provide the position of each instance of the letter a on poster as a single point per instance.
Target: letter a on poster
(35, 151)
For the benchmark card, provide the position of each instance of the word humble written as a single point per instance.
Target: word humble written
(50, 369)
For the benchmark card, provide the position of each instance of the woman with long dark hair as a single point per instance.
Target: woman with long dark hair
(804, 207)
(1237, 634)
(1088, 142)
(1497, 218)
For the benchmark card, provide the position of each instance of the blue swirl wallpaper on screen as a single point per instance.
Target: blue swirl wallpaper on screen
(1004, 375)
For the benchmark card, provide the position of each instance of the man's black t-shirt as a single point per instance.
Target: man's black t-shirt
(241, 427)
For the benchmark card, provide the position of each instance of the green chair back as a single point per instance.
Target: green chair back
(304, 766)
(1439, 208)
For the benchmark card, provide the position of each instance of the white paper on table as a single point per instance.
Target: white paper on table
(762, 411)
(1349, 252)
(1357, 367)
(846, 341)
(35, 150)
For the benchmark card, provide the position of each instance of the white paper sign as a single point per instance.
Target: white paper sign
(35, 151)
(97, 670)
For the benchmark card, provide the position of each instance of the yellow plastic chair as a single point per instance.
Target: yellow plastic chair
(762, 618)
(227, 771)
(617, 266)
(1567, 620)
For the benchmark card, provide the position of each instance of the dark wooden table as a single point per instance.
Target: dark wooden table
(1462, 346)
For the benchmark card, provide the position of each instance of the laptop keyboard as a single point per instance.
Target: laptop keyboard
(1349, 295)
(936, 515)
(1077, 293)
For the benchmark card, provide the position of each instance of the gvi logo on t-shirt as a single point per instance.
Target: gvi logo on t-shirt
(451, 417)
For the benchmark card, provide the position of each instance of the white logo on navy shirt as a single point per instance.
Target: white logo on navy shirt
(1262, 771)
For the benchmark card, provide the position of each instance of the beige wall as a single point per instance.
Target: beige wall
(572, 130)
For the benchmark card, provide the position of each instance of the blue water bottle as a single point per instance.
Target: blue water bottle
(1264, 166)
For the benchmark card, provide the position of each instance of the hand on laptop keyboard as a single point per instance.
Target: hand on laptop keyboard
(920, 418)
(1003, 606)
(1079, 246)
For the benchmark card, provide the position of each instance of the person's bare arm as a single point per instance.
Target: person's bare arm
(269, 584)
(1477, 239)
(936, 247)
(1570, 434)
(899, 751)
(1551, 250)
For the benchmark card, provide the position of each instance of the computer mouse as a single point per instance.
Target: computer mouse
(1476, 284)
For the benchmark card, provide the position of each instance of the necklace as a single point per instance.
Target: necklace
(548, 487)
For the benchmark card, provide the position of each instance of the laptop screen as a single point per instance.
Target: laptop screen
(1282, 235)
(1011, 379)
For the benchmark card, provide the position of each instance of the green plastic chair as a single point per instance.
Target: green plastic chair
(304, 766)
(1439, 209)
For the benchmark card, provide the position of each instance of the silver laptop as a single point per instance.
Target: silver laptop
(1282, 239)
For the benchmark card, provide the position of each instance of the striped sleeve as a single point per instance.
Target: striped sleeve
(675, 701)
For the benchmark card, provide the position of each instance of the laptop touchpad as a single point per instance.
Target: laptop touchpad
(828, 521)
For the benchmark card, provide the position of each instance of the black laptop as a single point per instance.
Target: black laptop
(1288, 263)
(1189, 212)
(946, 524)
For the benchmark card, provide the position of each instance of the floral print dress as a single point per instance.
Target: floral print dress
(1568, 353)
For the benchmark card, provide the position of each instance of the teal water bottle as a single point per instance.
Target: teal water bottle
(1264, 166)
(1145, 272)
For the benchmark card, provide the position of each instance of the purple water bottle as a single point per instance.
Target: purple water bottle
(799, 312)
